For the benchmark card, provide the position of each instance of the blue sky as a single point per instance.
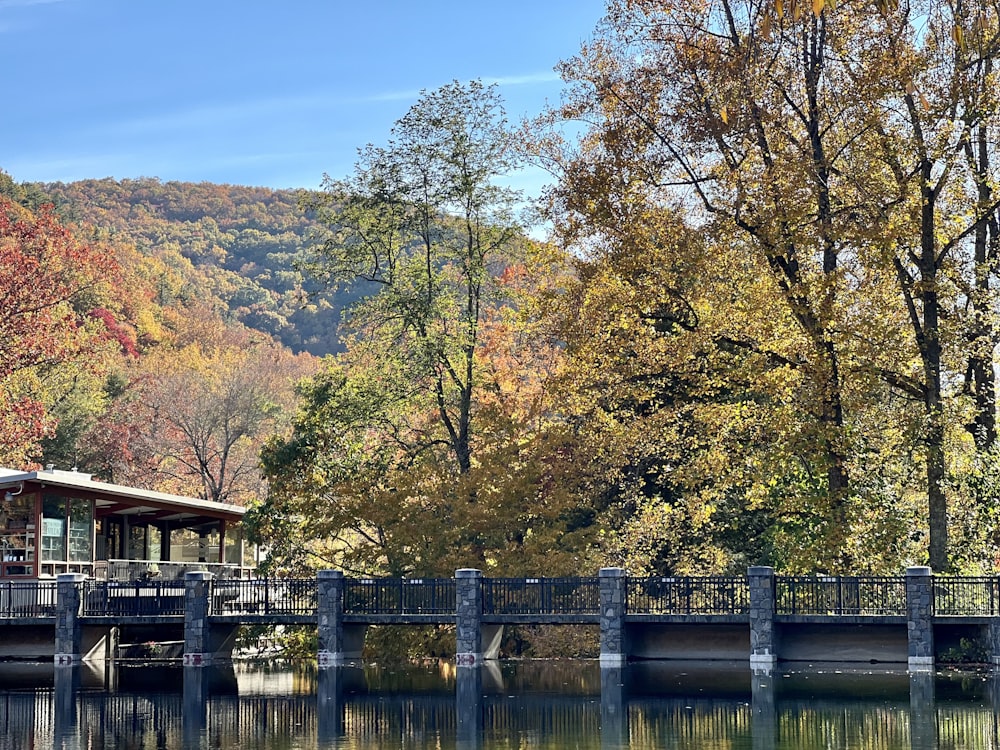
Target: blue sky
(254, 92)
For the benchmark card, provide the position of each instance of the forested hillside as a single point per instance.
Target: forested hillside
(230, 244)
(124, 360)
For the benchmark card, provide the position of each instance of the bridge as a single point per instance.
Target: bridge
(912, 619)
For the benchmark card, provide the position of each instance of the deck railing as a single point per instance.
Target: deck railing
(264, 596)
(142, 570)
(968, 597)
(840, 595)
(541, 596)
(686, 595)
(392, 596)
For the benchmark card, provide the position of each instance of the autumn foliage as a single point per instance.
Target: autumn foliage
(48, 279)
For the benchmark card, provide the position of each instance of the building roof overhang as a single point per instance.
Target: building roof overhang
(117, 499)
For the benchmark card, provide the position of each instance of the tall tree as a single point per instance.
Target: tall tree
(421, 448)
(939, 208)
(425, 222)
(209, 406)
(847, 151)
(732, 112)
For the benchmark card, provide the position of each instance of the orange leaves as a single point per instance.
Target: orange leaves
(47, 280)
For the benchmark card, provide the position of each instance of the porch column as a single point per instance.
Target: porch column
(197, 640)
(69, 633)
(222, 541)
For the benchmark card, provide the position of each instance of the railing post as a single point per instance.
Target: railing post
(197, 631)
(763, 641)
(919, 614)
(468, 617)
(338, 643)
(611, 590)
(69, 633)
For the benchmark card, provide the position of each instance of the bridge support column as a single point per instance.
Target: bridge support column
(339, 643)
(611, 591)
(919, 611)
(468, 617)
(197, 630)
(993, 633)
(763, 639)
(69, 632)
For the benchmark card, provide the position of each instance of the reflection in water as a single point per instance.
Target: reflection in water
(539, 704)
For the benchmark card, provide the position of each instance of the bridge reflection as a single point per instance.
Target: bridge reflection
(640, 705)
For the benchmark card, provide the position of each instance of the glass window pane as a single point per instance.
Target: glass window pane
(137, 543)
(81, 544)
(17, 529)
(53, 527)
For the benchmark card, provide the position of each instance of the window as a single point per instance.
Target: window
(67, 529)
(81, 540)
(17, 535)
(53, 527)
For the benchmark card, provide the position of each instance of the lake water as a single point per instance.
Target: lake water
(535, 704)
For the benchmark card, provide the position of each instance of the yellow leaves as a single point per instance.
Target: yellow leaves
(724, 114)
(911, 90)
(886, 6)
(958, 36)
(796, 7)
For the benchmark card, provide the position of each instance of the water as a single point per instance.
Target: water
(543, 704)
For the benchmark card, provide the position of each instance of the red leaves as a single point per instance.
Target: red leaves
(47, 281)
(44, 275)
(116, 331)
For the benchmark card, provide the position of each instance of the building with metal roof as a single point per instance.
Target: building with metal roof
(54, 521)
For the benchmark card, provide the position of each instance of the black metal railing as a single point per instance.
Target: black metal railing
(398, 596)
(264, 596)
(541, 596)
(840, 595)
(133, 598)
(966, 596)
(824, 596)
(27, 599)
(687, 595)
